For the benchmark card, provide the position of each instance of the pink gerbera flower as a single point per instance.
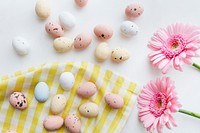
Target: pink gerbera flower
(156, 102)
(175, 45)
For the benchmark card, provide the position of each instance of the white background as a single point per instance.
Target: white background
(17, 18)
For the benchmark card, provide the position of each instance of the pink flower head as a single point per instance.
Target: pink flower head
(175, 45)
(156, 102)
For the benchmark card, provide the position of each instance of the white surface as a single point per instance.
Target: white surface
(17, 18)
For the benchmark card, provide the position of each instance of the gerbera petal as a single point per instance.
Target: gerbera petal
(155, 57)
(163, 63)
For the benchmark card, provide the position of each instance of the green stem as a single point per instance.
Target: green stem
(196, 65)
(189, 113)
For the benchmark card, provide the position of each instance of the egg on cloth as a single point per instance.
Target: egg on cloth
(18, 100)
(73, 123)
(54, 29)
(114, 101)
(67, 80)
(86, 90)
(41, 92)
(89, 109)
(58, 103)
(53, 122)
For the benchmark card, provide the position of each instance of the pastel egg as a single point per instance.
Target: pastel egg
(20, 45)
(114, 101)
(18, 100)
(10, 131)
(102, 52)
(53, 122)
(63, 44)
(86, 90)
(73, 123)
(129, 28)
(89, 109)
(41, 92)
(134, 10)
(54, 29)
(67, 80)
(103, 32)
(67, 20)
(120, 54)
(58, 103)
(43, 9)
(81, 3)
(82, 41)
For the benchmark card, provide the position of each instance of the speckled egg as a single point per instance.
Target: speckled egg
(67, 80)
(63, 44)
(81, 3)
(54, 29)
(103, 32)
(86, 90)
(73, 123)
(53, 122)
(10, 131)
(67, 20)
(129, 28)
(41, 92)
(58, 103)
(102, 51)
(120, 54)
(89, 109)
(82, 41)
(114, 101)
(18, 100)
(20, 45)
(43, 9)
(134, 10)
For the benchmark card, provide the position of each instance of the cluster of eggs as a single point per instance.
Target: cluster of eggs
(58, 102)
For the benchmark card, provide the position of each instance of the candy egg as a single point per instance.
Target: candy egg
(102, 52)
(43, 9)
(86, 90)
(114, 101)
(63, 44)
(67, 20)
(82, 41)
(58, 103)
(18, 100)
(120, 54)
(10, 131)
(134, 10)
(89, 109)
(129, 28)
(67, 80)
(54, 29)
(53, 122)
(103, 32)
(41, 92)
(73, 124)
(20, 45)
(81, 3)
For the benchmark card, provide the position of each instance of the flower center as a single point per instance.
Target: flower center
(158, 104)
(174, 46)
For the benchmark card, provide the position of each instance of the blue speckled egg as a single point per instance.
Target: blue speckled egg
(41, 92)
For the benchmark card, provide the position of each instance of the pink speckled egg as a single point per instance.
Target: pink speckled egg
(18, 100)
(73, 123)
(53, 122)
(87, 90)
(81, 3)
(10, 131)
(134, 10)
(103, 32)
(54, 29)
(114, 101)
(82, 41)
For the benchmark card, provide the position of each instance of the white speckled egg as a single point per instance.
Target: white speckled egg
(41, 92)
(67, 80)
(18, 100)
(53, 122)
(43, 9)
(89, 109)
(114, 101)
(63, 44)
(10, 131)
(81, 3)
(67, 20)
(58, 103)
(20, 45)
(129, 28)
(102, 52)
(73, 123)
(86, 90)
(120, 54)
